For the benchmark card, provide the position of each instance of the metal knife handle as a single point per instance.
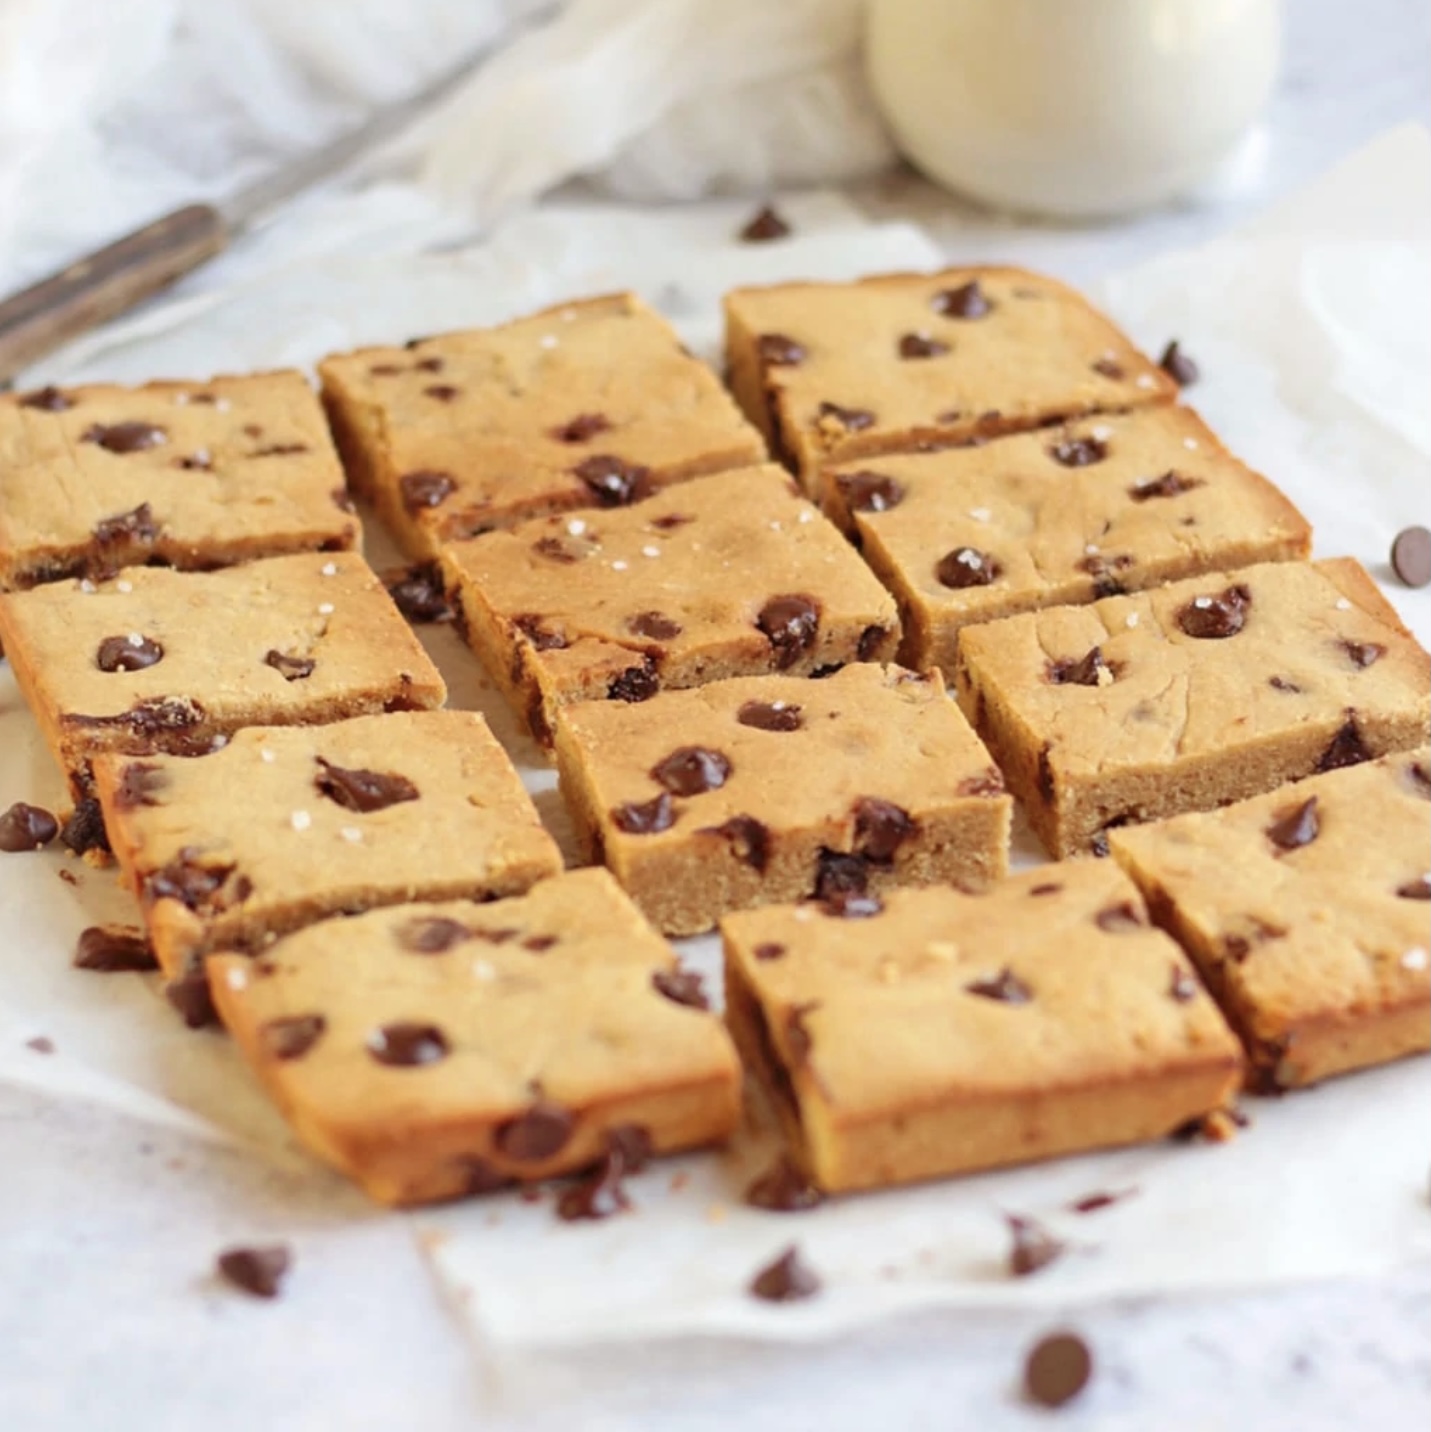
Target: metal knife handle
(106, 284)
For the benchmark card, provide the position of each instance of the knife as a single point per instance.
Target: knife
(112, 280)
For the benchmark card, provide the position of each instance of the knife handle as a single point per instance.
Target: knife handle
(105, 284)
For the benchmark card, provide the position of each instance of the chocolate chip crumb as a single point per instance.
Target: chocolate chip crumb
(1347, 748)
(431, 934)
(881, 827)
(442, 392)
(655, 626)
(1033, 1246)
(47, 400)
(128, 653)
(842, 884)
(1363, 653)
(1296, 826)
(1087, 670)
(191, 997)
(636, 683)
(1110, 368)
(1170, 484)
(26, 827)
(600, 1194)
(1178, 366)
(1057, 1369)
(921, 345)
(539, 634)
(766, 224)
(258, 1271)
(123, 438)
(1005, 987)
(112, 949)
(783, 1188)
(786, 1280)
(41, 1044)
(84, 830)
(1119, 919)
(749, 839)
(769, 950)
(137, 525)
(1103, 1198)
(852, 420)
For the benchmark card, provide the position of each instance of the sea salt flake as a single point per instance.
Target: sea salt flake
(1202, 602)
(1091, 548)
(1343, 605)
(86, 585)
(134, 639)
(300, 820)
(1190, 443)
(1144, 380)
(619, 566)
(483, 970)
(650, 551)
(548, 340)
(1415, 959)
(267, 756)
(222, 405)
(806, 515)
(236, 977)
(352, 834)
(124, 586)
(980, 514)
(329, 569)
(1131, 619)
(576, 527)
(325, 609)
(1102, 432)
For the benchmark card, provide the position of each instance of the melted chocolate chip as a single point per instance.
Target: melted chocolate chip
(363, 791)
(419, 594)
(582, 428)
(636, 683)
(425, 488)
(645, 817)
(783, 1188)
(656, 626)
(1411, 556)
(769, 950)
(1418, 889)
(540, 636)
(429, 365)
(442, 392)
(135, 526)
(110, 950)
(669, 521)
(614, 481)
(1364, 653)
(1214, 618)
(258, 1271)
(1170, 484)
(539, 944)
(600, 1194)
(1280, 683)
(541, 1130)
(1182, 987)
(881, 827)
(770, 716)
(1178, 366)
(125, 437)
(871, 639)
(1108, 368)
(1119, 919)
(842, 884)
(1033, 1246)
(1005, 987)
(128, 653)
(788, 1279)
(921, 345)
(385, 370)
(790, 624)
(1087, 670)
(26, 827)
(198, 887)
(47, 400)
(291, 1036)
(1079, 452)
(290, 668)
(869, 491)
(767, 224)
(749, 839)
(681, 987)
(853, 420)
(1048, 888)
(966, 301)
(557, 549)
(84, 830)
(1295, 827)
(1057, 1369)
(1346, 748)
(431, 934)
(968, 567)
(691, 771)
(407, 1044)
(776, 350)
(191, 996)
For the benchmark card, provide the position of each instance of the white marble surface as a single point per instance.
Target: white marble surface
(1310, 1358)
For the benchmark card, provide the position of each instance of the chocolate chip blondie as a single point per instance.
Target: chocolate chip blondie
(1306, 912)
(1067, 514)
(833, 371)
(434, 1051)
(592, 404)
(768, 788)
(285, 825)
(1191, 695)
(952, 1031)
(191, 475)
(730, 575)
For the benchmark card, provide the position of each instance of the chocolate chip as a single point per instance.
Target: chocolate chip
(1119, 919)
(342, 499)
(477, 1175)
(26, 827)
(1057, 1369)
(385, 370)
(41, 1044)
(363, 791)
(1411, 556)
(125, 437)
(1006, 987)
(1178, 366)
(259, 1271)
(128, 653)
(110, 950)
(691, 771)
(1346, 749)
(614, 481)
(406, 1044)
(557, 549)
(881, 827)
(429, 365)
(798, 1039)
(968, 567)
(1296, 826)
(657, 626)
(645, 817)
(290, 668)
(47, 400)
(1045, 772)
(867, 491)
(1364, 653)
(84, 830)
(582, 428)
(1170, 484)
(1107, 367)
(425, 488)
(853, 420)
(442, 392)
(1103, 1198)
(542, 637)
(1420, 774)
(1182, 986)
(788, 1279)
(280, 450)
(871, 639)
(196, 462)
(431, 934)
(291, 1036)
(1087, 670)
(419, 594)
(197, 887)
(990, 783)
(1214, 618)
(191, 996)
(769, 950)
(634, 1143)
(599, 1195)
(966, 301)
(790, 624)
(681, 987)
(135, 526)
(776, 350)
(1033, 1246)
(783, 1188)
(770, 716)
(669, 521)
(636, 683)
(1079, 452)
(1048, 888)
(539, 944)
(767, 224)
(921, 345)
(1280, 683)
(842, 884)
(749, 839)
(540, 1131)
(1418, 889)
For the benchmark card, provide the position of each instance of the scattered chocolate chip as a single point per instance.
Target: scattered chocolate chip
(842, 884)
(419, 594)
(137, 525)
(1005, 987)
(541, 636)
(47, 400)
(191, 997)
(442, 392)
(128, 653)
(645, 817)
(406, 1044)
(776, 350)
(125, 437)
(749, 839)
(881, 827)
(41, 1044)
(1295, 827)
(853, 420)
(1280, 683)
(84, 830)
(26, 827)
(691, 771)
(1087, 670)
(1079, 452)
(921, 345)
(681, 987)
(1120, 919)
(966, 301)
(1214, 618)
(258, 1271)
(1178, 366)
(867, 491)
(1103, 1198)
(790, 624)
(291, 1036)
(968, 567)
(600, 1194)
(582, 428)
(425, 488)
(1057, 1369)
(290, 668)
(1411, 556)
(788, 1279)
(1346, 748)
(1364, 653)
(431, 934)
(1033, 1246)
(769, 950)
(1170, 484)
(614, 481)
(1108, 368)
(363, 791)
(1418, 889)
(783, 1188)
(636, 683)
(110, 949)
(767, 224)
(656, 626)
(770, 716)
(541, 1130)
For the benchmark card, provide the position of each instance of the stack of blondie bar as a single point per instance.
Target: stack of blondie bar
(738, 665)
